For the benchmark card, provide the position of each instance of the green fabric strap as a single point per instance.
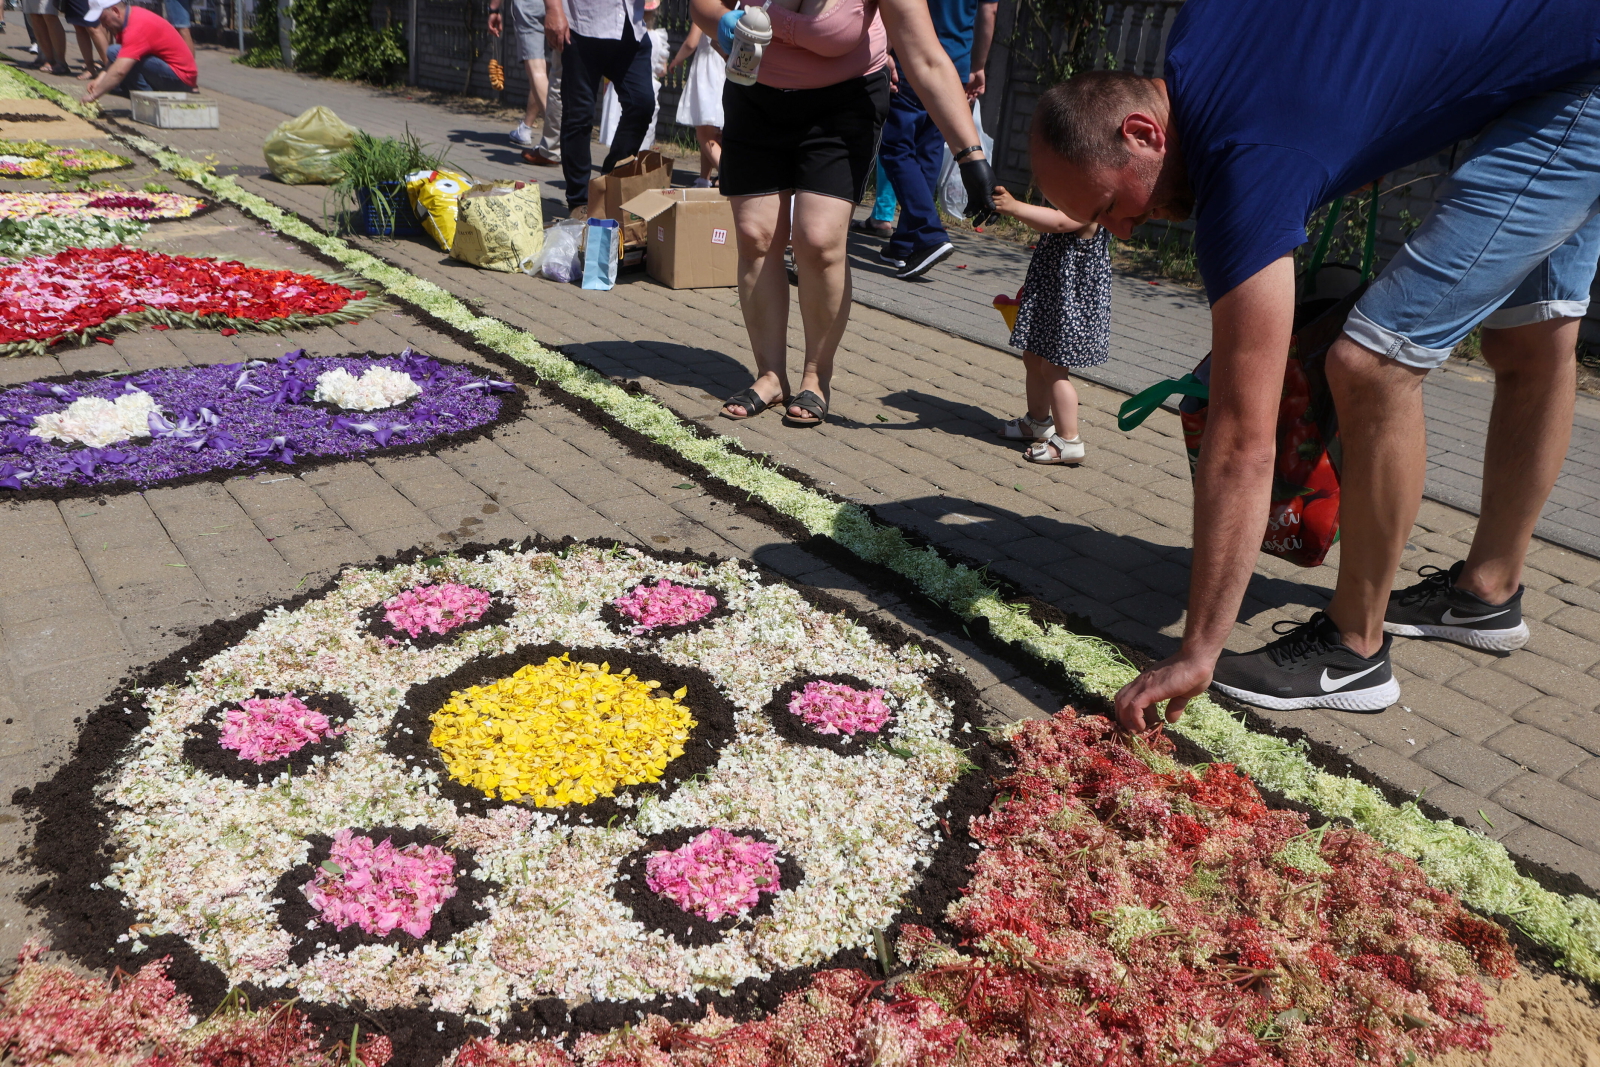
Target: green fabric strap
(1370, 251)
(1323, 240)
(1137, 408)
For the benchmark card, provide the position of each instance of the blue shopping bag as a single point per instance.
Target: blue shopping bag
(601, 238)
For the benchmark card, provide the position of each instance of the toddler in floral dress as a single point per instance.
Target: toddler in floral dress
(1064, 321)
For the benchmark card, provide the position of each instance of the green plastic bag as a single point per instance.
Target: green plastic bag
(301, 150)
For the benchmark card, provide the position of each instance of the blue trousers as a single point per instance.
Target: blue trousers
(911, 153)
(150, 74)
(584, 62)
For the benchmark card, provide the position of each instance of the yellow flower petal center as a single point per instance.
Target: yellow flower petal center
(560, 733)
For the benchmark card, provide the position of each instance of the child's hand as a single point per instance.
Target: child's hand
(1004, 202)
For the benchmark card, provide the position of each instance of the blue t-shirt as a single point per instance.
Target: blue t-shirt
(954, 21)
(1282, 105)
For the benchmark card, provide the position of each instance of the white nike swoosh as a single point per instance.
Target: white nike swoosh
(1330, 685)
(1451, 618)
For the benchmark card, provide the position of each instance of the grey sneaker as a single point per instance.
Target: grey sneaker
(1309, 667)
(1434, 607)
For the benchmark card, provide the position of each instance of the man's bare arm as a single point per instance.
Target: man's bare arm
(1249, 345)
(109, 79)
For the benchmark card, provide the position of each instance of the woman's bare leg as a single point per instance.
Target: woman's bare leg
(821, 226)
(762, 227)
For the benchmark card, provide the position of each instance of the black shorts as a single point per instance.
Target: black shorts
(817, 140)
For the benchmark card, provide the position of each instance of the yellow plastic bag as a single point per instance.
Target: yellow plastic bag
(301, 150)
(433, 196)
(501, 226)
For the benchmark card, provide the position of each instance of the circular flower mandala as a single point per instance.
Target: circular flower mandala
(556, 761)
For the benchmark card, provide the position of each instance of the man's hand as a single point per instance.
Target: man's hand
(495, 23)
(557, 31)
(975, 85)
(1172, 682)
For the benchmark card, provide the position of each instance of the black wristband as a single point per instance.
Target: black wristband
(967, 151)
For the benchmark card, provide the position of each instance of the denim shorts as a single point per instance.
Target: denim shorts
(178, 14)
(1512, 240)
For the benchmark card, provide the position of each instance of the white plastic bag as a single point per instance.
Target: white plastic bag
(563, 251)
(952, 194)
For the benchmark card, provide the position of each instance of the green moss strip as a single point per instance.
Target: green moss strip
(1456, 859)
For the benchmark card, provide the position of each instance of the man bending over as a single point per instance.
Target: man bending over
(148, 55)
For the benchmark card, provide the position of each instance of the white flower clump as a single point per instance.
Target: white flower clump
(377, 388)
(96, 422)
(203, 856)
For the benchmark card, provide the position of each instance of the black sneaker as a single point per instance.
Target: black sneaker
(1434, 607)
(1309, 667)
(890, 258)
(922, 260)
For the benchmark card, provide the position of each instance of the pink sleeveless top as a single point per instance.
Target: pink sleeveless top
(811, 53)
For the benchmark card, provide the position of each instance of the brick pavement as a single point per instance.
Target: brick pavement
(95, 587)
(1509, 745)
(1160, 329)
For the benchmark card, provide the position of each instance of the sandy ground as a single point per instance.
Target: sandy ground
(1549, 1022)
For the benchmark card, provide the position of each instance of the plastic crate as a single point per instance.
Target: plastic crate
(174, 111)
(402, 221)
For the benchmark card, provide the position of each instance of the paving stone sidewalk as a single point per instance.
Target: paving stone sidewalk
(1160, 329)
(97, 586)
(1510, 746)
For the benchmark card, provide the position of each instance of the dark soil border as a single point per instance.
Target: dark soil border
(203, 747)
(71, 851)
(512, 407)
(792, 727)
(460, 912)
(375, 622)
(623, 625)
(407, 737)
(658, 913)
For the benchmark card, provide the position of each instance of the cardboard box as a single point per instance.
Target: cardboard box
(691, 242)
(634, 175)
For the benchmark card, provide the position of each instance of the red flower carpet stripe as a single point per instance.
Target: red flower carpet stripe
(48, 298)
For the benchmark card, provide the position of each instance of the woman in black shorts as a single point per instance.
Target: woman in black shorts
(807, 132)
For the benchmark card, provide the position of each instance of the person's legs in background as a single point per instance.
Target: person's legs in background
(527, 26)
(710, 141)
(761, 228)
(533, 111)
(178, 13)
(911, 154)
(630, 73)
(821, 227)
(52, 38)
(583, 64)
(548, 151)
(88, 46)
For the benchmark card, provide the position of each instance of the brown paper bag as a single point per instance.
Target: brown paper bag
(500, 226)
(634, 175)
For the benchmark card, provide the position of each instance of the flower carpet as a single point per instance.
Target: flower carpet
(105, 204)
(501, 847)
(89, 432)
(39, 159)
(74, 293)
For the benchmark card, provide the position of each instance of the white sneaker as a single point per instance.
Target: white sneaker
(523, 137)
(1023, 428)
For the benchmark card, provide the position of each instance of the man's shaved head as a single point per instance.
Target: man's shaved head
(1080, 120)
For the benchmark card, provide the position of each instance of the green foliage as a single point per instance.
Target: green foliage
(371, 161)
(336, 38)
(1059, 37)
(265, 49)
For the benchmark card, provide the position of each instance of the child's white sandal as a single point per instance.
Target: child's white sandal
(1065, 451)
(1023, 428)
